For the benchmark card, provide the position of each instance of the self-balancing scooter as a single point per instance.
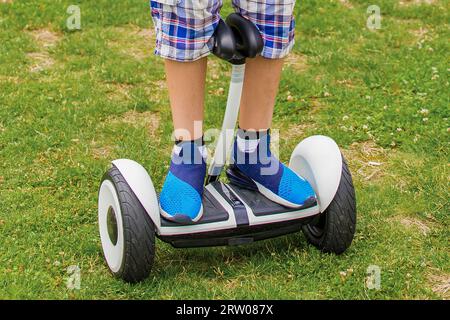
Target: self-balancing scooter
(234, 213)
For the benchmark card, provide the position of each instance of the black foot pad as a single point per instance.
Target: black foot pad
(262, 206)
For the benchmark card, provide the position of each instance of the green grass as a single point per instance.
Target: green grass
(70, 102)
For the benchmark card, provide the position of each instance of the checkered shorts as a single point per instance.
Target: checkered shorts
(184, 28)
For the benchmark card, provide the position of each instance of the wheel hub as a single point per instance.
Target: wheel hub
(111, 223)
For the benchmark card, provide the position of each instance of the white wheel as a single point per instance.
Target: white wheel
(110, 225)
(126, 230)
(319, 160)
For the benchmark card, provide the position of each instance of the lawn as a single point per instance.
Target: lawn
(72, 101)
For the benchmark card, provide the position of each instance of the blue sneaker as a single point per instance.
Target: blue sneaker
(253, 158)
(181, 196)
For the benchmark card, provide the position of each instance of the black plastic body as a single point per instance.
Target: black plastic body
(236, 236)
(224, 42)
(237, 39)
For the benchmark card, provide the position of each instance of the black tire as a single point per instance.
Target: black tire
(334, 229)
(138, 229)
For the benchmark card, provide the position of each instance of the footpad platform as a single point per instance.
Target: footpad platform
(235, 215)
(258, 203)
(237, 198)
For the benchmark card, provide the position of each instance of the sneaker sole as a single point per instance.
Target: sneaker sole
(309, 202)
(181, 218)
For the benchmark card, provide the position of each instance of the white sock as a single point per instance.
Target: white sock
(247, 146)
(204, 152)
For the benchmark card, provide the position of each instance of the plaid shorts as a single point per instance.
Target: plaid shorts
(184, 28)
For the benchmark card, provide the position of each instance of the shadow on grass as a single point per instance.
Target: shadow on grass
(208, 262)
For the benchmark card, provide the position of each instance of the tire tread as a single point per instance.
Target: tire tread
(340, 219)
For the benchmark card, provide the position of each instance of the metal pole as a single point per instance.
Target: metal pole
(225, 140)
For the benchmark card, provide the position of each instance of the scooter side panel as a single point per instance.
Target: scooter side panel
(319, 160)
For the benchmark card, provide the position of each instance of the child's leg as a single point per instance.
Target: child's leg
(275, 21)
(184, 30)
(262, 77)
(180, 198)
(186, 84)
(251, 153)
